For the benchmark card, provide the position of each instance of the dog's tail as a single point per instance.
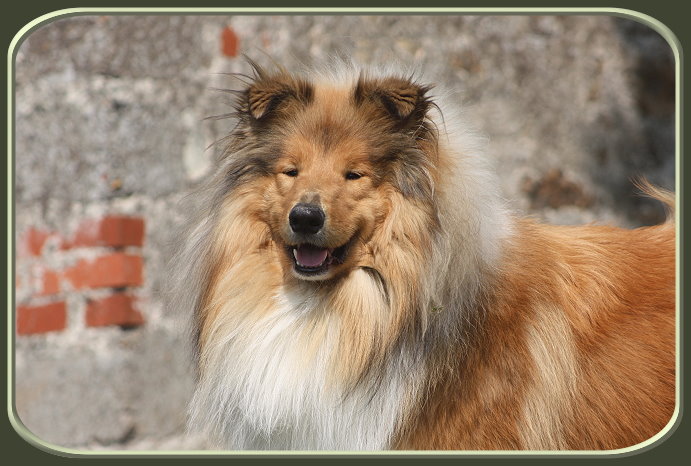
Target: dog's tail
(661, 194)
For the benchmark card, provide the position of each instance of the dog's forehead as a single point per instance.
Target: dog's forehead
(332, 96)
(332, 109)
(325, 140)
(329, 124)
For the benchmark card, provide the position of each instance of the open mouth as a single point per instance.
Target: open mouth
(311, 260)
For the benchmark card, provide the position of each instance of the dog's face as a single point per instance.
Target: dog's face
(325, 197)
(330, 156)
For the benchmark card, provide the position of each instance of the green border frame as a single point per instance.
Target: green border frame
(653, 23)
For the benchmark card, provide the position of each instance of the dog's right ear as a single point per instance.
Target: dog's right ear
(269, 94)
(265, 97)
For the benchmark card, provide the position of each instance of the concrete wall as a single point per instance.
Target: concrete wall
(110, 135)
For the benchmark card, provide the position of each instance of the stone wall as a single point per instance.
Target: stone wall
(110, 135)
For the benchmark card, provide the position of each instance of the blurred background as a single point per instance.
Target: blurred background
(110, 136)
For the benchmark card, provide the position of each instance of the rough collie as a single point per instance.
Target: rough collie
(358, 284)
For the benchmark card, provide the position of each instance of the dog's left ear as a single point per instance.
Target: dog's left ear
(404, 100)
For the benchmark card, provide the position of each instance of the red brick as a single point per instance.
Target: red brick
(116, 270)
(117, 309)
(50, 282)
(113, 231)
(86, 235)
(230, 43)
(41, 319)
(78, 274)
(33, 241)
(113, 270)
(122, 231)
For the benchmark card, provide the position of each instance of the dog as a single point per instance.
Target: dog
(357, 283)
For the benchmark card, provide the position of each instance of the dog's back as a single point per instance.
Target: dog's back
(578, 349)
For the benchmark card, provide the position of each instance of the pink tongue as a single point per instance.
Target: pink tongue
(310, 256)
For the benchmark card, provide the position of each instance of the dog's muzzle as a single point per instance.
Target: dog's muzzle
(306, 219)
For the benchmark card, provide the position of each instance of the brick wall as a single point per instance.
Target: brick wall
(97, 270)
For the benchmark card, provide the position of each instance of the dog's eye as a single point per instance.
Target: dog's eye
(293, 172)
(352, 176)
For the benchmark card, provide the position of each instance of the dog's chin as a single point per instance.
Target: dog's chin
(312, 262)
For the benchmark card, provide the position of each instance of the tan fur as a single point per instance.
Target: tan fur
(485, 331)
(547, 401)
(577, 351)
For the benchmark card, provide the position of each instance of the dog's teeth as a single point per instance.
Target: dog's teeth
(295, 255)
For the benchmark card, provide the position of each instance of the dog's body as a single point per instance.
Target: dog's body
(358, 285)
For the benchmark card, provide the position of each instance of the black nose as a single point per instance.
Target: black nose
(306, 218)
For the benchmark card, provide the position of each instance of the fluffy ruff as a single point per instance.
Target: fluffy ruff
(409, 309)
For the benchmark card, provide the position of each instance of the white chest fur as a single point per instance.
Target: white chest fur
(267, 385)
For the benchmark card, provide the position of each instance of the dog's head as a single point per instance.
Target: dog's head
(327, 155)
